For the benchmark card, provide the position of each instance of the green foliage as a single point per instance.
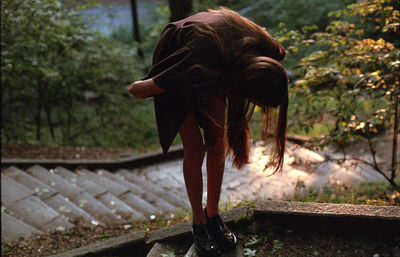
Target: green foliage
(350, 76)
(56, 71)
(373, 193)
(295, 14)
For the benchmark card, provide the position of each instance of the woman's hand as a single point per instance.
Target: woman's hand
(145, 88)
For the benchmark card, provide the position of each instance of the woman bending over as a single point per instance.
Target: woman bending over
(205, 67)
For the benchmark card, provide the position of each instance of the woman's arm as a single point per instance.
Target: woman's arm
(145, 88)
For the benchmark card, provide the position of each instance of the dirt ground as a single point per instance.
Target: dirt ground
(31, 151)
(257, 240)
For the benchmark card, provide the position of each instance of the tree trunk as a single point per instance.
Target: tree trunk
(395, 131)
(39, 110)
(47, 110)
(180, 9)
(135, 26)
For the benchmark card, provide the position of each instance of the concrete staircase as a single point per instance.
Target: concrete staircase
(38, 200)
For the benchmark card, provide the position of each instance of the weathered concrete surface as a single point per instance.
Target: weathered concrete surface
(335, 218)
(48, 194)
(160, 249)
(183, 230)
(12, 191)
(177, 231)
(146, 195)
(237, 252)
(12, 229)
(131, 162)
(41, 189)
(38, 214)
(329, 209)
(63, 206)
(75, 194)
(147, 185)
(134, 240)
(289, 213)
(117, 206)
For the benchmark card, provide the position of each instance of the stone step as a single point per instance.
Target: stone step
(21, 201)
(118, 207)
(36, 213)
(148, 196)
(168, 177)
(73, 193)
(108, 184)
(13, 229)
(49, 195)
(149, 186)
(84, 183)
(237, 252)
(164, 249)
(63, 186)
(12, 191)
(111, 201)
(141, 205)
(69, 209)
(139, 208)
(41, 189)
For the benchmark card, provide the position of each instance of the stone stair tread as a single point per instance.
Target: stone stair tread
(12, 191)
(48, 195)
(136, 189)
(148, 196)
(36, 213)
(170, 178)
(147, 185)
(41, 189)
(140, 205)
(108, 184)
(95, 208)
(69, 209)
(117, 206)
(109, 199)
(12, 229)
(73, 193)
(163, 249)
(63, 186)
(237, 252)
(88, 185)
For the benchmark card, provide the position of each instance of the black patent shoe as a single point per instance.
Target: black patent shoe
(205, 245)
(224, 238)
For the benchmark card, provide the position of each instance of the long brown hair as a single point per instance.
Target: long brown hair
(253, 74)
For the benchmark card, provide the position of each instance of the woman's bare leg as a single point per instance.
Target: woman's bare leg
(214, 140)
(193, 159)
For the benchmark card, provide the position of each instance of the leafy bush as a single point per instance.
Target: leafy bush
(56, 71)
(350, 77)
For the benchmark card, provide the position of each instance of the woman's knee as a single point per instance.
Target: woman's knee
(194, 155)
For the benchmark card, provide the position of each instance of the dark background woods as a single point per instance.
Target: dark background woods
(65, 84)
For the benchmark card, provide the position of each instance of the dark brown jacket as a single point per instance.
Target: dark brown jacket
(186, 62)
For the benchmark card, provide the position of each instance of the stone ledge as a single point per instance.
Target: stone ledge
(344, 219)
(183, 230)
(131, 162)
(323, 217)
(134, 239)
(329, 209)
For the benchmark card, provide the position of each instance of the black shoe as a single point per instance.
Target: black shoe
(224, 238)
(205, 245)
